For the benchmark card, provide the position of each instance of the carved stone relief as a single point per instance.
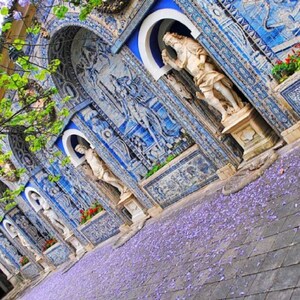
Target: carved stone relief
(124, 101)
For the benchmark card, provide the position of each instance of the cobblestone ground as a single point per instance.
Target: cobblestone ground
(244, 246)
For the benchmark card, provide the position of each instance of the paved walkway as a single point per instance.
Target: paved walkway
(244, 246)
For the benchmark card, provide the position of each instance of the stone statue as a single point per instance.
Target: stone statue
(101, 171)
(193, 58)
(23, 242)
(50, 214)
(7, 261)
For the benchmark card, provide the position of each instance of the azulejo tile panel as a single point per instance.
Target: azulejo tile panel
(100, 229)
(182, 178)
(58, 254)
(30, 271)
(292, 95)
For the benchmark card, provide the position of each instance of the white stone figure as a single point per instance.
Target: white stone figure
(192, 57)
(179, 87)
(5, 258)
(101, 171)
(23, 242)
(50, 213)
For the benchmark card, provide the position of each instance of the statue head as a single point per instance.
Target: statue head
(171, 38)
(35, 196)
(81, 149)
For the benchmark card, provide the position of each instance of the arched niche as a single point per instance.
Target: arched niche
(33, 202)
(150, 35)
(136, 116)
(9, 228)
(21, 150)
(70, 139)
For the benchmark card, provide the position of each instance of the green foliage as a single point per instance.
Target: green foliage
(85, 7)
(9, 196)
(65, 161)
(54, 178)
(60, 11)
(10, 205)
(4, 11)
(31, 113)
(18, 44)
(6, 26)
(35, 29)
(158, 166)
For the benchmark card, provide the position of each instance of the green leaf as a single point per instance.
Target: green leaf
(60, 11)
(6, 26)
(53, 178)
(4, 11)
(19, 44)
(36, 29)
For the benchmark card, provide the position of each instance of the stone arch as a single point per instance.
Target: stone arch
(21, 151)
(99, 77)
(145, 35)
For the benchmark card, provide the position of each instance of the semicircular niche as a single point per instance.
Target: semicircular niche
(127, 106)
(21, 150)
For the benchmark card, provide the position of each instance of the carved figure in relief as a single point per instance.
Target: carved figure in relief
(135, 108)
(192, 57)
(101, 171)
(50, 213)
(5, 258)
(179, 87)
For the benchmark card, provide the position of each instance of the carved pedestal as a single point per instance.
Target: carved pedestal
(45, 266)
(134, 208)
(251, 131)
(291, 134)
(71, 239)
(15, 279)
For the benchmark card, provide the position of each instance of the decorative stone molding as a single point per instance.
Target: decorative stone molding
(113, 6)
(134, 208)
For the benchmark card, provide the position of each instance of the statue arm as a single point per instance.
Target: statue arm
(202, 56)
(175, 64)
